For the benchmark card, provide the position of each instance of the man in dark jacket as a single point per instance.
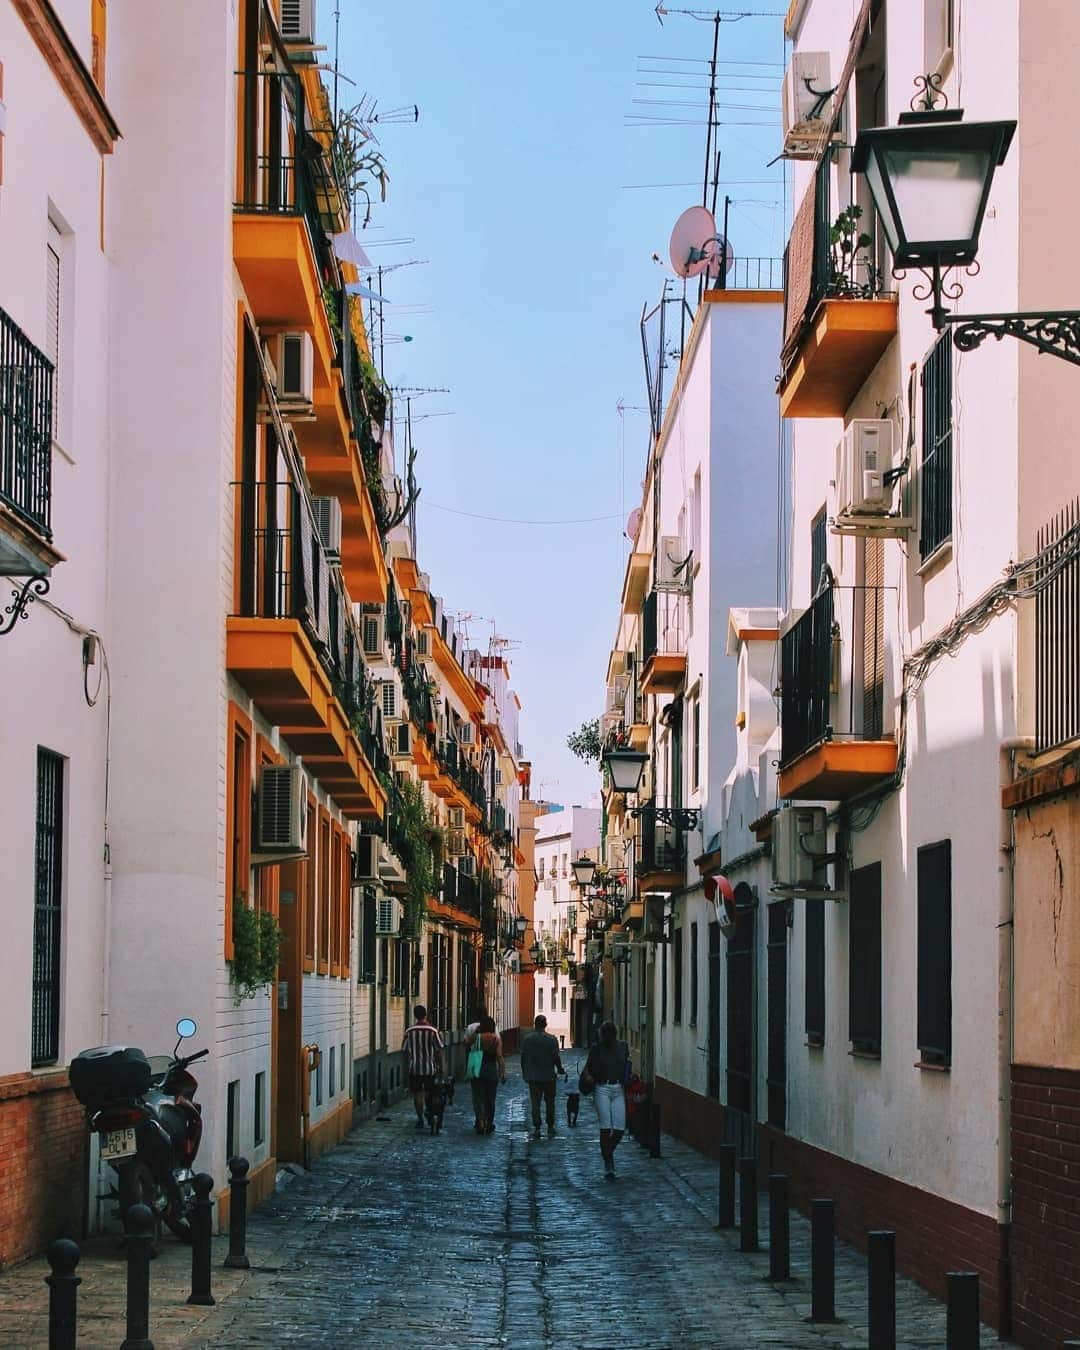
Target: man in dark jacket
(540, 1063)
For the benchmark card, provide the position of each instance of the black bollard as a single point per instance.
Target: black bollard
(962, 1310)
(726, 1214)
(238, 1184)
(62, 1281)
(201, 1223)
(779, 1229)
(140, 1238)
(881, 1289)
(822, 1262)
(748, 1238)
(654, 1131)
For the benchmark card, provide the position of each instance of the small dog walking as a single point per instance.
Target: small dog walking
(435, 1105)
(573, 1106)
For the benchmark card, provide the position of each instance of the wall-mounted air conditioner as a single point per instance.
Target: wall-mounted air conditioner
(294, 360)
(403, 734)
(372, 634)
(388, 917)
(806, 99)
(365, 859)
(281, 827)
(673, 564)
(298, 21)
(800, 843)
(467, 865)
(864, 486)
(391, 871)
(328, 519)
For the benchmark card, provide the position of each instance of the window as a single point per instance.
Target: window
(309, 889)
(389, 699)
(48, 876)
(332, 1075)
(540, 999)
(565, 864)
(677, 974)
(663, 959)
(232, 1102)
(818, 550)
(341, 1061)
(814, 1012)
(562, 999)
(238, 819)
(864, 959)
(540, 871)
(695, 745)
(368, 938)
(260, 1107)
(693, 973)
(938, 29)
(935, 953)
(323, 894)
(776, 1013)
(936, 477)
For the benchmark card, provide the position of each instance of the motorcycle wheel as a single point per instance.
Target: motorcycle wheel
(178, 1215)
(136, 1186)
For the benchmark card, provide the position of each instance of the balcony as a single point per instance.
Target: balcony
(837, 323)
(465, 783)
(661, 857)
(294, 646)
(26, 420)
(832, 698)
(664, 623)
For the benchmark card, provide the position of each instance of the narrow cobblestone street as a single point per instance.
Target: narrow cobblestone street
(404, 1241)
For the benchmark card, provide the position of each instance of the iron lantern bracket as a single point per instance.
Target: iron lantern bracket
(22, 597)
(682, 817)
(1057, 333)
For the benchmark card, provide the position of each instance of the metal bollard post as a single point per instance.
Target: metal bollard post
(748, 1226)
(203, 1185)
(962, 1310)
(62, 1281)
(140, 1238)
(822, 1262)
(881, 1289)
(654, 1131)
(726, 1214)
(779, 1228)
(238, 1184)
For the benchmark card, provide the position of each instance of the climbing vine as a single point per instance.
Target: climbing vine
(257, 942)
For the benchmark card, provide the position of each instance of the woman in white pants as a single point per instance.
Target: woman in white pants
(609, 1067)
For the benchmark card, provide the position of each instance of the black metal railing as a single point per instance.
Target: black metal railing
(750, 274)
(468, 895)
(1057, 631)
(661, 847)
(453, 759)
(26, 421)
(663, 624)
(417, 687)
(806, 663)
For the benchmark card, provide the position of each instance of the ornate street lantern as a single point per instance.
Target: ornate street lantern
(584, 870)
(627, 767)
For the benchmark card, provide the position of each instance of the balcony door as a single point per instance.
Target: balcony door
(713, 1029)
(870, 650)
(739, 1117)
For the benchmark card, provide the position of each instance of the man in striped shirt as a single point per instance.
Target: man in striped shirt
(423, 1053)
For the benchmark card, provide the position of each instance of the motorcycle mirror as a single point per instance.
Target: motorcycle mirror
(186, 1028)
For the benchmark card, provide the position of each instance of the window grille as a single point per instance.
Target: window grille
(935, 953)
(814, 1010)
(1057, 631)
(864, 959)
(48, 878)
(937, 447)
(776, 1051)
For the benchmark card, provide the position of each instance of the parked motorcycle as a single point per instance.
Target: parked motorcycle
(144, 1112)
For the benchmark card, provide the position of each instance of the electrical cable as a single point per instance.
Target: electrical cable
(511, 520)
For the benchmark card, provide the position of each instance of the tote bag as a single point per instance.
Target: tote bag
(475, 1060)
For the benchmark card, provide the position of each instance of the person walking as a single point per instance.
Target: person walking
(423, 1050)
(608, 1065)
(540, 1063)
(492, 1073)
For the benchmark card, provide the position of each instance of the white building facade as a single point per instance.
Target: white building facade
(559, 915)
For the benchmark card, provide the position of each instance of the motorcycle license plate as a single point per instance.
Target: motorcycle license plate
(117, 1144)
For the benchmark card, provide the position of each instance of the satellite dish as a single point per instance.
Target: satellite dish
(633, 523)
(695, 246)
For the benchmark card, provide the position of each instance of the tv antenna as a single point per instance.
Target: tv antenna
(379, 299)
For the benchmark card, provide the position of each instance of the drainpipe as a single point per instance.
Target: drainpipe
(310, 1058)
(1007, 846)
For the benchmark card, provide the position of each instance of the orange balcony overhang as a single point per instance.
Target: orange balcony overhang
(362, 563)
(832, 771)
(663, 674)
(276, 664)
(660, 880)
(407, 573)
(635, 581)
(456, 678)
(841, 346)
(638, 734)
(276, 262)
(423, 758)
(422, 608)
(451, 914)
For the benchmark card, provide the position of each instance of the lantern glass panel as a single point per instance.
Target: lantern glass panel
(938, 193)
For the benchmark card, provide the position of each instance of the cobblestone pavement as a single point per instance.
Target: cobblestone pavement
(405, 1242)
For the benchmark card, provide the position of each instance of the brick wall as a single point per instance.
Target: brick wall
(933, 1235)
(1046, 1205)
(43, 1176)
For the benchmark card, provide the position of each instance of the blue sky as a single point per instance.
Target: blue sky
(513, 186)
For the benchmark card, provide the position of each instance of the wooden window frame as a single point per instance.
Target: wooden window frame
(266, 888)
(346, 904)
(814, 981)
(237, 817)
(677, 946)
(308, 889)
(864, 977)
(322, 895)
(934, 985)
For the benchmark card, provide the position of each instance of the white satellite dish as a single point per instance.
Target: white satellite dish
(695, 246)
(633, 523)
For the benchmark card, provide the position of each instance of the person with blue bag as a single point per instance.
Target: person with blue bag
(485, 1069)
(606, 1073)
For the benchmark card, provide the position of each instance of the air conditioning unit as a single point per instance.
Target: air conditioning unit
(388, 917)
(391, 871)
(365, 859)
(403, 734)
(467, 865)
(298, 21)
(799, 841)
(456, 816)
(807, 102)
(466, 734)
(294, 360)
(328, 519)
(371, 634)
(865, 461)
(282, 813)
(673, 560)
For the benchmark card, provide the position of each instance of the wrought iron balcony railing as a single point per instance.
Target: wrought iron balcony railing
(1057, 631)
(662, 846)
(663, 624)
(26, 421)
(470, 780)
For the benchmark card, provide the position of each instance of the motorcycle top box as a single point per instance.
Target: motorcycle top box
(108, 1073)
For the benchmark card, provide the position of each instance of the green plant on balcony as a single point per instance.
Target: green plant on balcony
(257, 940)
(585, 742)
(849, 255)
(420, 846)
(358, 163)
